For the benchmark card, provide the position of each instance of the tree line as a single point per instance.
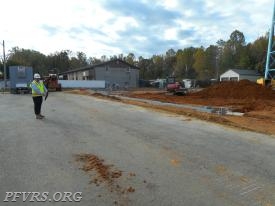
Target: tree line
(191, 63)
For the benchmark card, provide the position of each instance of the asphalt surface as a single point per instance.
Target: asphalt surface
(174, 160)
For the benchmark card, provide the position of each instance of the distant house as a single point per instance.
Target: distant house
(240, 74)
(114, 72)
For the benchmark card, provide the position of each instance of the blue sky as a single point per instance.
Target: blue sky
(142, 27)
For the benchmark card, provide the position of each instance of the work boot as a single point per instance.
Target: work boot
(38, 117)
(41, 115)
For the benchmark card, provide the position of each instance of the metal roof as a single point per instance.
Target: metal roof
(97, 65)
(249, 72)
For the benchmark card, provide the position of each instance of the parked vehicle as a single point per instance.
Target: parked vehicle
(51, 81)
(177, 88)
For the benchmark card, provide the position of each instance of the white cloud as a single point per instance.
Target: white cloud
(169, 4)
(170, 34)
(144, 26)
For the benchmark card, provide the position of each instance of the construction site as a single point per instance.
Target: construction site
(209, 145)
(99, 134)
(144, 146)
(243, 104)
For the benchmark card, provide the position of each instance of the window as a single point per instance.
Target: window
(224, 79)
(234, 79)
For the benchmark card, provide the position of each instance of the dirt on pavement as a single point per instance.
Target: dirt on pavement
(107, 175)
(255, 101)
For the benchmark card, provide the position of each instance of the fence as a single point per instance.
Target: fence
(92, 84)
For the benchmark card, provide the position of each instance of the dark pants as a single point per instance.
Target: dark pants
(37, 104)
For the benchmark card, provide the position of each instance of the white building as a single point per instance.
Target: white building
(239, 74)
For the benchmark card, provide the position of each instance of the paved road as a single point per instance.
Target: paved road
(168, 160)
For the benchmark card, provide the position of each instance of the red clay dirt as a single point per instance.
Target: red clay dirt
(243, 96)
(105, 174)
(243, 89)
(255, 101)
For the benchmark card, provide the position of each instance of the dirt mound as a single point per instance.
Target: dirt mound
(243, 89)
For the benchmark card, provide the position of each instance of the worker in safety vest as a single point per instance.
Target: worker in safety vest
(38, 91)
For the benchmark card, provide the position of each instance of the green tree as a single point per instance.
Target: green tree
(200, 64)
(158, 66)
(244, 59)
(234, 49)
(236, 41)
(82, 59)
(257, 52)
(212, 61)
(27, 57)
(93, 60)
(144, 65)
(130, 58)
(169, 63)
(184, 63)
(60, 61)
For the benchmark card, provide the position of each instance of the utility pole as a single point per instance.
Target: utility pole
(5, 69)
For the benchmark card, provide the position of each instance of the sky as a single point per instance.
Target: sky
(142, 27)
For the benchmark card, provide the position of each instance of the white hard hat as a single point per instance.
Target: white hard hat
(36, 76)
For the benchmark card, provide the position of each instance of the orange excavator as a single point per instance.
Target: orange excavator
(51, 82)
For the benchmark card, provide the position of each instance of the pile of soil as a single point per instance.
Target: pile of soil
(243, 89)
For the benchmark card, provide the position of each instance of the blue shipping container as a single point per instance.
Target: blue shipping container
(20, 78)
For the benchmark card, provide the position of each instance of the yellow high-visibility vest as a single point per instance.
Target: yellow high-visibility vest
(40, 86)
